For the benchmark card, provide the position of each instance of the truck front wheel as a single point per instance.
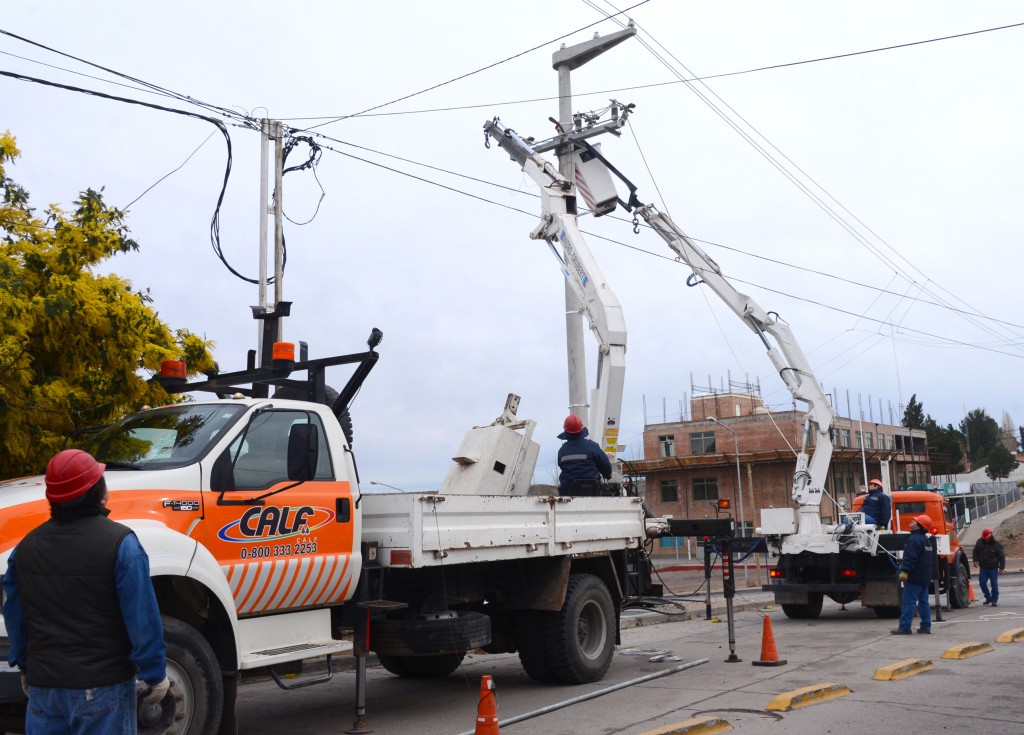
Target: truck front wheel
(959, 585)
(580, 637)
(194, 703)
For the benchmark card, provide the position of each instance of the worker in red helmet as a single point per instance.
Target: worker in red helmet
(990, 560)
(877, 506)
(581, 462)
(916, 575)
(80, 611)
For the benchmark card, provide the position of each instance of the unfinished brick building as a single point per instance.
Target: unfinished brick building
(689, 464)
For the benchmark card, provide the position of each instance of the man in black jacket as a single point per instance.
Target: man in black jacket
(80, 611)
(990, 558)
(916, 575)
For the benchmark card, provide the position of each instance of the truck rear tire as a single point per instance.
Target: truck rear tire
(422, 667)
(533, 654)
(580, 637)
(194, 703)
(809, 611)
(959, 585)
(427, 635)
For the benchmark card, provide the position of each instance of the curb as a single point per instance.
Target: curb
(902, 669)
(807, 696)
(966, 650)
(1011, 636)
(696, 726)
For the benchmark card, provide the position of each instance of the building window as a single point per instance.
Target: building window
(702, 442)
(667, 446)
(890, 442)
(844, 437)
(705, 488)
(858, 440)
(869, 439)
(669, 491)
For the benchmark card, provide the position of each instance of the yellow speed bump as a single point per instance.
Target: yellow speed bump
(696, 726)
(806, 696)
(1011, 636)
(902, 669)
(966, 650)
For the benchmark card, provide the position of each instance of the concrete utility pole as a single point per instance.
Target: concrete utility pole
(271, 130)
(564, 61)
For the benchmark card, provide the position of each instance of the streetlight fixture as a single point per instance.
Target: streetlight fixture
(384, 484)
(739, 487)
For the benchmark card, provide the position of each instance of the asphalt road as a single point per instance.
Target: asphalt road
(843, 647)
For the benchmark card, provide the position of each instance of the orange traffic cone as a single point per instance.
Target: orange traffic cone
(487, 711)
(970, 592)
(769, 656)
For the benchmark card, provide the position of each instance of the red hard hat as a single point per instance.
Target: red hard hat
(987, 533)
(573, 424)
(876, 482)
(70, 473)
(924, 521)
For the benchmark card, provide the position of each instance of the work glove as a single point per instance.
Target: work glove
(24, 684)
(152, 694)
(903, 576)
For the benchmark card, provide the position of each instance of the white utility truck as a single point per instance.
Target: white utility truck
(264, 552)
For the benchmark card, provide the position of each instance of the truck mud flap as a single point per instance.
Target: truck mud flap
(881, 593)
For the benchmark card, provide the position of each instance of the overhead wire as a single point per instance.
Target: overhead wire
(828, 209)
(653, 85)
(471, 73)
(220, 125)
(805, 299)
(227, 112)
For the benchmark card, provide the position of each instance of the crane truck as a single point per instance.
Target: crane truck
(846, 561)
(265, 553)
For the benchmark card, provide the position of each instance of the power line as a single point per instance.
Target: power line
(653, 85)
(154, 87)
(813, 302)
(477, 71)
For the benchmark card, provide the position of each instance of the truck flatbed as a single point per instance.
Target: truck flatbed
(439, 530)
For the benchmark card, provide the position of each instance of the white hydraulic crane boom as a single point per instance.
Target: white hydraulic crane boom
(786, 356)
(558, 227)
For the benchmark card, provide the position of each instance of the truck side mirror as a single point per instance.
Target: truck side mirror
(303, 451)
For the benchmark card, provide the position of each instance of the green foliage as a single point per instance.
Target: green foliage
(913, 415)
(945, 447)
(982, 434)
(72, 342)
(1001, 462)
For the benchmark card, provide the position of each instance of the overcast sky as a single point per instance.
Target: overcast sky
(907, 283)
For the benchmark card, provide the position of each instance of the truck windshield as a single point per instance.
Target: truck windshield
(162, 438)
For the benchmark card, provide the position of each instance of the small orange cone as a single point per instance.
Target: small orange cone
(487, 711)
(970, 592)
(769, 656)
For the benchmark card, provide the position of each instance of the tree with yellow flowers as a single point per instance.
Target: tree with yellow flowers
(75, 346)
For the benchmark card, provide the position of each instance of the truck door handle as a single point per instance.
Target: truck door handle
(344, 510)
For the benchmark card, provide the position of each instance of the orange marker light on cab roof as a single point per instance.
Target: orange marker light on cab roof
(172, 369)
(283, 351)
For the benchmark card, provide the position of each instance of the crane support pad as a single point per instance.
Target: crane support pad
(696, 726)
(1011, 636)
(966, 650)
(902, 669)
(807, 696)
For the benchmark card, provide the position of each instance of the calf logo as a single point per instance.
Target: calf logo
(273, 523)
